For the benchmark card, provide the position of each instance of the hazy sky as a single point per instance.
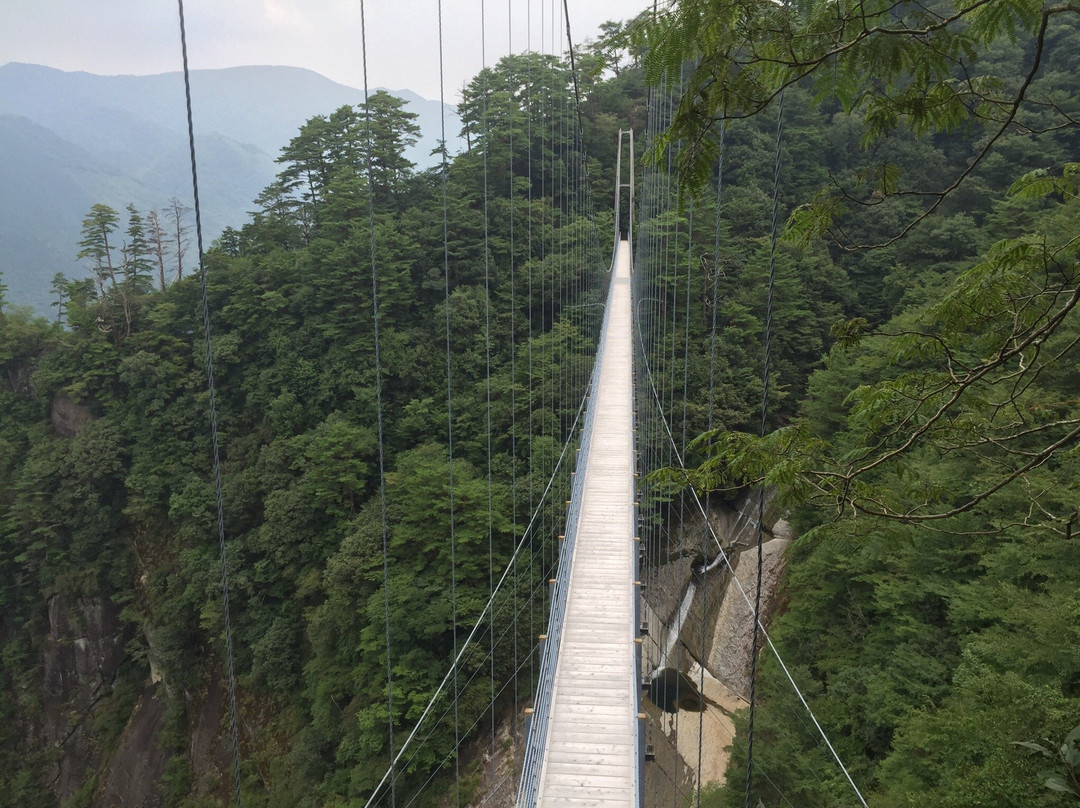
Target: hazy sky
(142, 36)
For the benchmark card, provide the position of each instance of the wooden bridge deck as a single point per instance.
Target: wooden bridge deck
(591, 753)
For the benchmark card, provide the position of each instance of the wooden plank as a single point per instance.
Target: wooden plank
(591, 756)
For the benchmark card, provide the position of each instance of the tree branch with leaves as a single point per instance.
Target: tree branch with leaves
(895, 67)
(978, 380)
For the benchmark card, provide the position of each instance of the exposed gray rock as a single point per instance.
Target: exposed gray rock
(133, 777)
(17, 376)
(210, 750)
(67, 417)
(730, 650)
(681, 594)
(82, 654)
(698, 594)
(734, 527)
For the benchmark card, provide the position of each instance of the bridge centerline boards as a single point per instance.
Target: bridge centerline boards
(592, 733)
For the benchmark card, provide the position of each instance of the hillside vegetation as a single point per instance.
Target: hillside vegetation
(927, 646)
(69, 140)
(931, 461)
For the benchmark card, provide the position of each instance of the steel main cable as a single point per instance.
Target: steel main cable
(212, 391)
(379, 408)
(760, 537)
(537, 518)
(449, 400)
(746, 598)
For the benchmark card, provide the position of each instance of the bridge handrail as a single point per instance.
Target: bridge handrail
(582, 409)
(537, 733)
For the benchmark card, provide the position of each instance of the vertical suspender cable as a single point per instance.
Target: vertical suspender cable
(716, 275)
(568, 243)
(685, 383)
(764, 414)
(540, 331)
(671, 260)
(543, 333)
(549, 274)
(529, 344)
(645, 253)
(709, 427)
(675, 246)
(565, 247)
(449, 411)
(379, 410)
(686, 358)
(558, 217)
(660, 345)
(487, 362)
(583, 189)
(218, 495)
(667, 333)
(686, 321)
(547, 304)
(513, 353)
(551, 256)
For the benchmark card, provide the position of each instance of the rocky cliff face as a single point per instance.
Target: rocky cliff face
(133, 774)
(699, 607)
(91, 709)
(104, 716)
(68, 418)
(80, 660)
(697, 653)
(97, 716)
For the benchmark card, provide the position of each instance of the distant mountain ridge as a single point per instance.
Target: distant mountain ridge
(71, 139)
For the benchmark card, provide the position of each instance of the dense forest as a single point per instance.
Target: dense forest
(108, 497)
(922, 429)
(929, 461)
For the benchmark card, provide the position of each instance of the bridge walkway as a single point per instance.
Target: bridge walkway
(591, 750)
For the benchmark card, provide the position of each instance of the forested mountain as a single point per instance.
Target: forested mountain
(931, 608)
(108, 500)
(931, 462)
(68, 140)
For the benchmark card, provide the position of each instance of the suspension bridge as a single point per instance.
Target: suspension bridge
(587, 735)
(581, 694)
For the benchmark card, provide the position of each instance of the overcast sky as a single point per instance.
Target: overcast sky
(142, 36)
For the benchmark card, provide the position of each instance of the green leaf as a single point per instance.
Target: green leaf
(849, 333)
(1056, 782)
(813, 219)
(1041, 182)
(1070, 750)
(1042, 750)
(1033, 185)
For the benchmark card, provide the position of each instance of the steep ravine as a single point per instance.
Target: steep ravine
(698, 651)
(710, 606)
(97, 710)
(104, 713)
